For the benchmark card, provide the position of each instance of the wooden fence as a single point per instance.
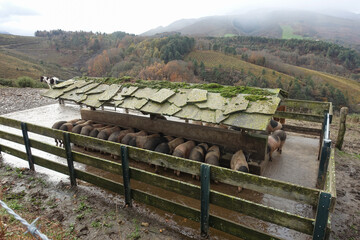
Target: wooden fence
(319, 227)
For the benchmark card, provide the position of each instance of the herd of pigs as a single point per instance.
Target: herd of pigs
(179, 147)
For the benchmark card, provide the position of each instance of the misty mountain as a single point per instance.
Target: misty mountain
(340, 27)
(4, 32)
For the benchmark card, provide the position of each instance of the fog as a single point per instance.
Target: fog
(23, 17)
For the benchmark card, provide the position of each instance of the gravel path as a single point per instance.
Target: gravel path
(17, 99)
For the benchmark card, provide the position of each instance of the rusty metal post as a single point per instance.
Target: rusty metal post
(342, 127)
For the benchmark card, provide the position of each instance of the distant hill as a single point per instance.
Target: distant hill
(4, 32)
(339, 27)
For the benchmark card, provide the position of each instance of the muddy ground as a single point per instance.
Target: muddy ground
(93, 214)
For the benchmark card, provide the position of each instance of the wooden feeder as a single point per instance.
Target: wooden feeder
(249, 111)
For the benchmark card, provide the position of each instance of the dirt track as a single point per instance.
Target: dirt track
(345, 219)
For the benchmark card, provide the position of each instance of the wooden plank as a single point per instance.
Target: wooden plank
(316, 107)
(99, 181)
(37, 160)
(166, 183)
(330, 182)
(279, 217)
(266, 185)
(12, 137)
(94, 143)
(238, 230)
(299, 116)
(231, 140)
(166, 205)
(96, 162)
(303, 130)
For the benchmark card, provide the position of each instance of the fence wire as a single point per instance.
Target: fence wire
(31, 227)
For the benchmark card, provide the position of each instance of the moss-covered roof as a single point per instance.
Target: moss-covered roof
(244, 107)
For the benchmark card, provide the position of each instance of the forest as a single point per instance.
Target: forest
(304, 68)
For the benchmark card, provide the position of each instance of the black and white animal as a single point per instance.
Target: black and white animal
(273, 126)
(276, 142)
(50, 81)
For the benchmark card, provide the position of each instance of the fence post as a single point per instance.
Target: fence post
(342, 127)
(322, 215)
(324, 162)
(126, 175)
(27, 146)
(204, 198)
(69, 159)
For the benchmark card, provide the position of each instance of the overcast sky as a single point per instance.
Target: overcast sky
(24, 17)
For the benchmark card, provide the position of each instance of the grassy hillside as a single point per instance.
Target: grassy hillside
(288, 33)
(213, 59)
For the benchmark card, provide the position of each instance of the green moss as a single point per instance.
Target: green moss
(225, 91)
(254, 98)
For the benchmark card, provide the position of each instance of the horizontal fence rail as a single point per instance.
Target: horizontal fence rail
(252, 182)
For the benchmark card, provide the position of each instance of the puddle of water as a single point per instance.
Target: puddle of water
(297, 164)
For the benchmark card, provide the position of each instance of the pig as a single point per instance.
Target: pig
(168, 148)
(212, 156)
(157, 116)
(77, 128)
(140, 141)
(128, 137)
(198, 154)
(117, 137)
(96, 131)
(239, 163)
(57, 125)
(183, 151)
(273, 144)
(123, 133)
(282, 136)
(273, 126)
(106, 132)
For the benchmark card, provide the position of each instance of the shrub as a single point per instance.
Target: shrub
(25, 82)
(6, 82)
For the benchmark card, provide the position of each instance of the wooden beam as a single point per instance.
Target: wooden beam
(230, 139)
(318, 108)
(300, 116)
(303, 130)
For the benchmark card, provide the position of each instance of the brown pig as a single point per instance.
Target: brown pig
(128, 137)
(198, 154)
(183, 151)
(238, 163)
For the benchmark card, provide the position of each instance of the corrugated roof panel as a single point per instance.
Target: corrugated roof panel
(197, 95)
(236, 104)
(264, 106)
(249, 121)
(64, 84)
(133, 103)
(214, 101)
(162, 95)
(145, 93)
(109, 93)
(180, 98)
